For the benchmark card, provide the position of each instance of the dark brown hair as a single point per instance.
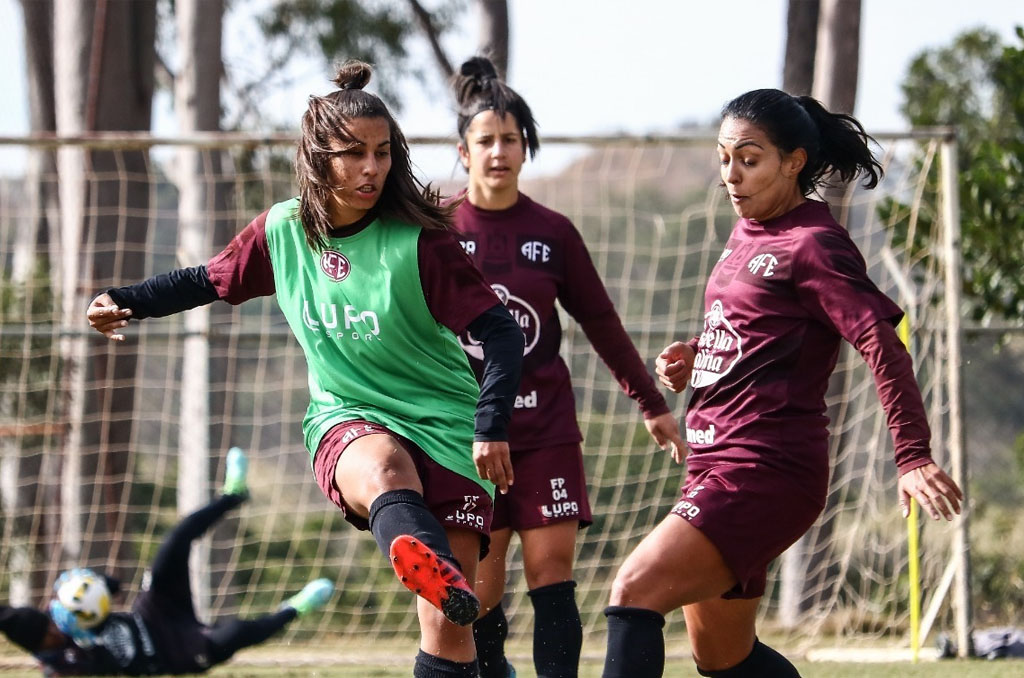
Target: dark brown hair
(478, 88)
(403, 196)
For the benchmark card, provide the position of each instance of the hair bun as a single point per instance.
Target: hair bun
(479, 68)
(353, 74)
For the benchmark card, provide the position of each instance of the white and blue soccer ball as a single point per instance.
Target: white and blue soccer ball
(85, 595)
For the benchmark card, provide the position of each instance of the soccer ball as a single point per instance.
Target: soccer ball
(85, 595)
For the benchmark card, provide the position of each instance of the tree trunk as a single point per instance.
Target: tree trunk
(836, 64)
(21, 456)
(806, 566)
(201, 197)
(493, 37)
(801, 43)
(494, 32)
(103, 65)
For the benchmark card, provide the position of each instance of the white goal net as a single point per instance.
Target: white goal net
(104, 446)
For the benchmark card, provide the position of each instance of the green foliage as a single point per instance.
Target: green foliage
(1018, 456)
(976, 85)
(375, 32)
(997, 568)
(29, 360)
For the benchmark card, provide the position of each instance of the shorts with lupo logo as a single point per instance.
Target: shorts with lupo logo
(751, 514)
(550, 487)
(456, 501)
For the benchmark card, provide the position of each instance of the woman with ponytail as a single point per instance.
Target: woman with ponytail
(788, 287)
(376, 289)
(534, 257)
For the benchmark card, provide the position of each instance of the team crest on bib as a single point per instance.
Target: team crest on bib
(335, 265)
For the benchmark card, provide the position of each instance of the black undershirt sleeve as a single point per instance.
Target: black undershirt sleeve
(167, 293)
(503, 343)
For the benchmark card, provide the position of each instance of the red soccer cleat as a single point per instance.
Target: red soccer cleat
(438, 582)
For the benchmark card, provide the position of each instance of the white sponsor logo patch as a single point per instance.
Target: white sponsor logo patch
(524, 314)
(701, 436)
(353, 324)
(526, 402)
(687, 508)
(561, 506)
(763, 264)
(466, 516)
(536, 251)
(718, 349)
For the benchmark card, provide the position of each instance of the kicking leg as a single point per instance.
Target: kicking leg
(446, 649)
(491, 629)
(378, 479)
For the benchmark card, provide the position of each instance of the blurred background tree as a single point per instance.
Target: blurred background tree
(976, 84)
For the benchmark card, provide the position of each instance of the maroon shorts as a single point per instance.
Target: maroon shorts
(456, 501)
(549, 488)
(751, 514)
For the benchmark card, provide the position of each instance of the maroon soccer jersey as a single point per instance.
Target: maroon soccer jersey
(533, 256)
(781, 297)
(452, 287)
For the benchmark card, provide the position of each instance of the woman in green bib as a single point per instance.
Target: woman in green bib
(376, 289)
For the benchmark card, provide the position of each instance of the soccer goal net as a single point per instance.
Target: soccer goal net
(105, 446)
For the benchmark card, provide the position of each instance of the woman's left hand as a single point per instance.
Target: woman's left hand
(494, 462)
(936, 492)
(664, 428)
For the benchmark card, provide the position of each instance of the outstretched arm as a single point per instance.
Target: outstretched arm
(502, 342)
(920, 478)
(159, 296)
(611, 341)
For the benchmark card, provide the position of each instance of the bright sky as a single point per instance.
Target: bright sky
(603, 66)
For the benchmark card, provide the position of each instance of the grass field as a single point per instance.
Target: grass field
(951, 669)
(321, 662)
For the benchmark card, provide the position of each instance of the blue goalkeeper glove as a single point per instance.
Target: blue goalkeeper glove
(68, 625)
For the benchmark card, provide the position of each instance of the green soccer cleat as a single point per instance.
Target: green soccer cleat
(235, 468)
(312, 597)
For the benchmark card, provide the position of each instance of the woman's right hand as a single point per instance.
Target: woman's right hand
(673, 366)
(106, 318)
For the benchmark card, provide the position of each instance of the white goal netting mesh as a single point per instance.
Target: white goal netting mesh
(102, 445)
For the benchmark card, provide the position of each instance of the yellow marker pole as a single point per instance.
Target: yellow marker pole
(913, 554)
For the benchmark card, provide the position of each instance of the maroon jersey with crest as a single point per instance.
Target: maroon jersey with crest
(781, 297)
(533, 256)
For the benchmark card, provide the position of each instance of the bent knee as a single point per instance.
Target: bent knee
(628, 589)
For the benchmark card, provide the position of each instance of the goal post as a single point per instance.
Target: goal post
(655, 221)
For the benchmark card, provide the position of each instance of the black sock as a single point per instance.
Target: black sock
(636, 644)
(557, 630)
(762, 661)
(489, 634)
(404, 512)
(429, 666)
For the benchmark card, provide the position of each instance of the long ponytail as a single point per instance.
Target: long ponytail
(836, 143)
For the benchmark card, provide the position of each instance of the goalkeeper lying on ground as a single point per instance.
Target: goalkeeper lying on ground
(160, 635)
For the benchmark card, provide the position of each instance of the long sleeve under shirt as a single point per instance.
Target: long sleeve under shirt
(243, 271)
